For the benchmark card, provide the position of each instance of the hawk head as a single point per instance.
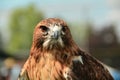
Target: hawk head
(52, 33)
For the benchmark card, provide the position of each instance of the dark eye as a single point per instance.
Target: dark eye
(63, 29)
(44, 28)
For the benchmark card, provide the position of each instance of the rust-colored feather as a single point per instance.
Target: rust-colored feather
(55, 56)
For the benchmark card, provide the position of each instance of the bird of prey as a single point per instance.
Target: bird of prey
(55, 56)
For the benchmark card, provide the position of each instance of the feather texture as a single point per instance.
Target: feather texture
(55, 56)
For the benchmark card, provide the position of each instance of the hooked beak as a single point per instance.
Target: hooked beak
(55, 35)
(54, 38)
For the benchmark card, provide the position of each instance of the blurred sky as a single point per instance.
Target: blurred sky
(99, 12)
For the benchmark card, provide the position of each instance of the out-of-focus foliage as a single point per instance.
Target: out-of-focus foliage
(80, 34)
(104, 45)
(22, 23)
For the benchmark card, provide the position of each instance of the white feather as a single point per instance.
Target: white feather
(78, 58)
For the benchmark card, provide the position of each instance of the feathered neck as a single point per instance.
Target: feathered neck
(61, 54)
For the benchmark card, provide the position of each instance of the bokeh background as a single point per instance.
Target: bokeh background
(94, 24)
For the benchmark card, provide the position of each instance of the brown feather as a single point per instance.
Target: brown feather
(56, 62)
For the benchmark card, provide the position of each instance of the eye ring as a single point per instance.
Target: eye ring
(44, 28)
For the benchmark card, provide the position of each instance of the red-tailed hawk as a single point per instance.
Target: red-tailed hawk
(55, 56)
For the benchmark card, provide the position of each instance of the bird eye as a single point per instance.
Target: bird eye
(63, 29)
(44, 28)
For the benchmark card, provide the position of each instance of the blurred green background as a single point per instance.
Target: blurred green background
(94, 24)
